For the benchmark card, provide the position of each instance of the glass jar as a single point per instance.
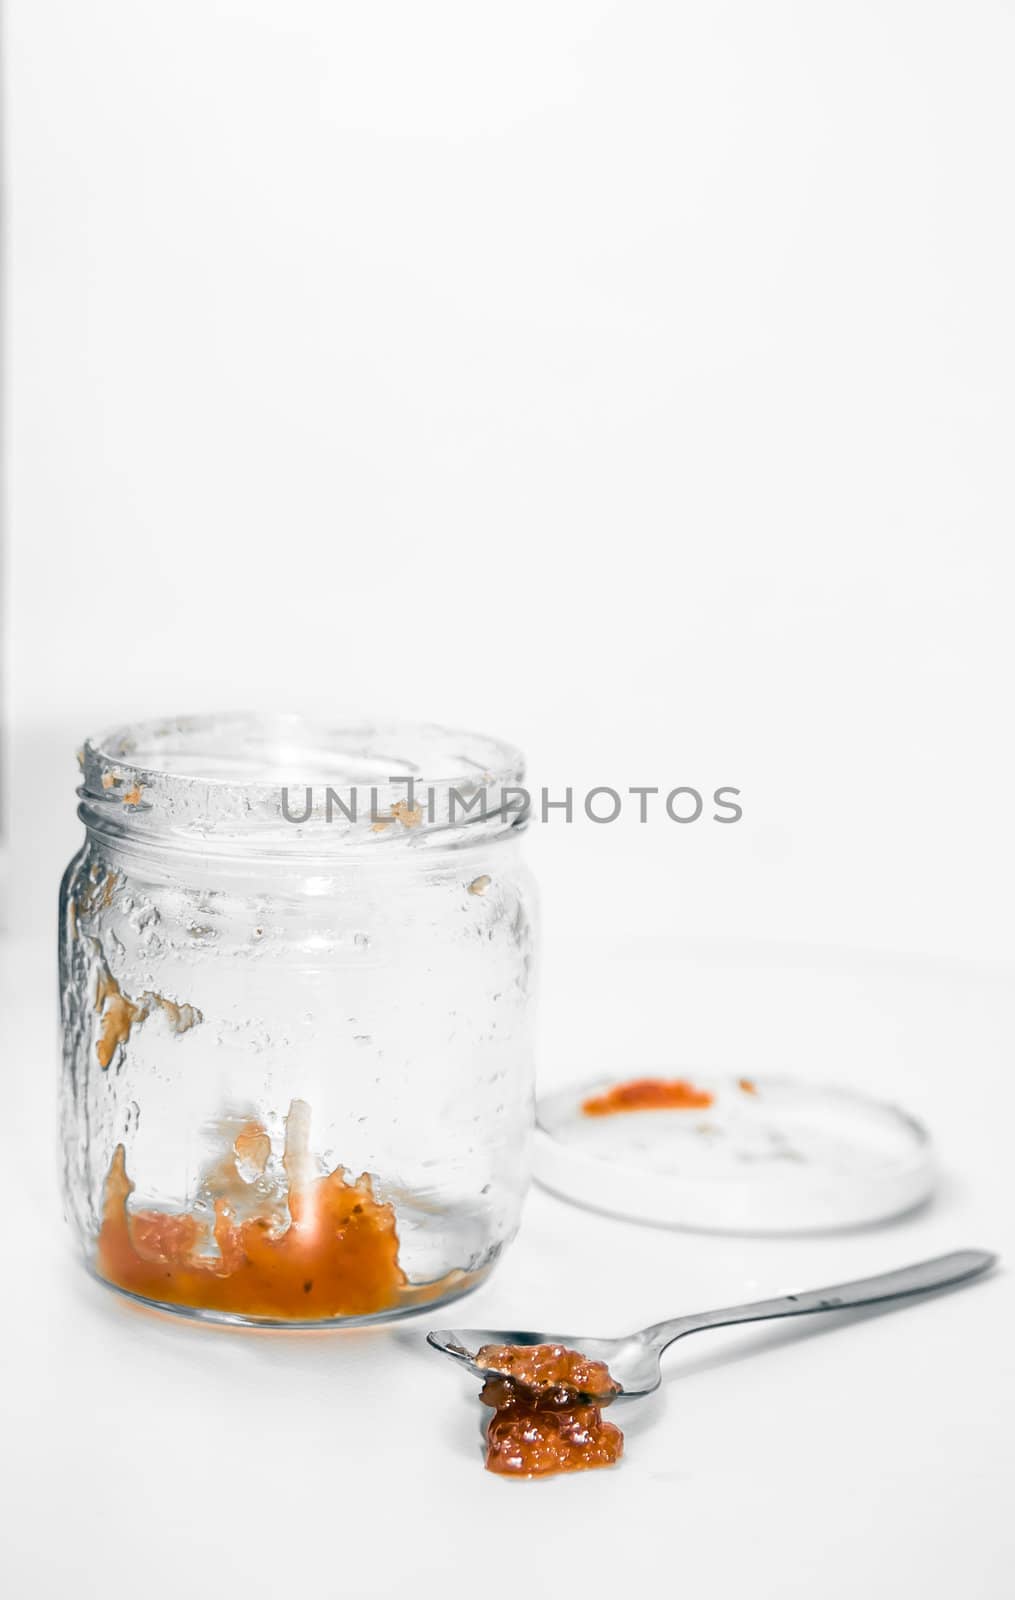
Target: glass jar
(297, 993)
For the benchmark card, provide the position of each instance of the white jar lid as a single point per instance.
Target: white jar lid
(766, 1156)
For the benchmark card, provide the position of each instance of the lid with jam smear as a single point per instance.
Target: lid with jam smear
(736, 1155)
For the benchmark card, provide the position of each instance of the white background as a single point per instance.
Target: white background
(633, 381)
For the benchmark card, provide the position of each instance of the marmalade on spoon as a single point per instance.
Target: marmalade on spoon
(547, 1402)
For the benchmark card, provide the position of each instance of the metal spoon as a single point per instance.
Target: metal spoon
(634, 1361)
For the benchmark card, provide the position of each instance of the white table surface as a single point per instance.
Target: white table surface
(143, 1456)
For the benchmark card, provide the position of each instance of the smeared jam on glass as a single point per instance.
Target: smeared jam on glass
(648, 1094)
(118, 1013)
(548, 1411)
(314, 1248)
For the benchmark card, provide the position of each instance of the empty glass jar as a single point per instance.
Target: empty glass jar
(297, 1007)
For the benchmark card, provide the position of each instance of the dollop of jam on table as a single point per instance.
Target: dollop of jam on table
(547, 1405)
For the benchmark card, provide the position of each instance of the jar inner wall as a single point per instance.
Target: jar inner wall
(297, 1030)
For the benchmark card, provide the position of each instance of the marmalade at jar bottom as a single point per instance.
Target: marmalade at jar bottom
(323, 1247)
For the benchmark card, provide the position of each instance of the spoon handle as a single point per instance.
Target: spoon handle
(917, 1279)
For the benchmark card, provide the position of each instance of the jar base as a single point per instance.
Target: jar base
(415, 1299)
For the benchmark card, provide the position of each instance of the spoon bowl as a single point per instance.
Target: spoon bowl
(632, 1361)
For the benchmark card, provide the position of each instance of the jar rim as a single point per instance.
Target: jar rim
(284, 776)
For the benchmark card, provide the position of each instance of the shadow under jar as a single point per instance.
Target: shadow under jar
(297, 1011)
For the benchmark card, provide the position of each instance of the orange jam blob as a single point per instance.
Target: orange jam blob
(547, 1403)
(542, 1369)
(328, 1248)
(648, 1094)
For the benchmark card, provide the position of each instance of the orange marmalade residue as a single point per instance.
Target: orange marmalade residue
(118, 1014)
(648, 1094)
(326, 1247)
(547, 1411)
